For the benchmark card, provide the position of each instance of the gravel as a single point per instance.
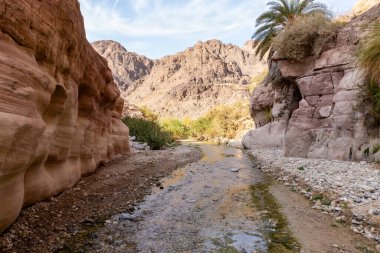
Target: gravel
(350, 191)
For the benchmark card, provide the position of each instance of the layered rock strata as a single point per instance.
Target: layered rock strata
(328, 122)
(60, 108)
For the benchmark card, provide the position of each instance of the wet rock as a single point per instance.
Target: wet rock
(127, 216)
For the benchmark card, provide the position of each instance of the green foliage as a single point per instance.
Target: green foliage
(304, 37)
(148, 131)
(369, 53)
(280, 238)
(366, 152)
(149, 114)
(176, 127)
(301, 168)
(371, 102)
(375, 148)
(223, 121)
(280, 14)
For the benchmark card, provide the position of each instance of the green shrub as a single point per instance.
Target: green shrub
(370, 92)
(369, 53)
(148, 114)
(225, 121)
(176, 127)
(375, 148)
(304, 36)
(149, 132)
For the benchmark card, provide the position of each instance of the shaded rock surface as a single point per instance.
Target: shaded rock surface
(318, 116)
(190, 83)
(60, 109)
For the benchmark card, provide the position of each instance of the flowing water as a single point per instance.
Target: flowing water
(215, 205)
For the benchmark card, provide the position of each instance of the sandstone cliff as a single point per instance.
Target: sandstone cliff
(60, 109)
(319, 115)
(190, 83)
(126, 67)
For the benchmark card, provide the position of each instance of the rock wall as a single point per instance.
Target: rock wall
(60, 109)
(328, 122)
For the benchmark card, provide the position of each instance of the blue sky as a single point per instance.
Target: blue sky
(156, 28)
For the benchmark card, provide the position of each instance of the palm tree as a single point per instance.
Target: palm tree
(281, 13)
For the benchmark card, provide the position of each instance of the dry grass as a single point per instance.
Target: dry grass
(304, 37)
(369, 53)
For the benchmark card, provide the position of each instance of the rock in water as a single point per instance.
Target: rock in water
(60, 108)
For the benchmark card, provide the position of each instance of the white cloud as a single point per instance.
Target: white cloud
(160, 19)
(159, 27)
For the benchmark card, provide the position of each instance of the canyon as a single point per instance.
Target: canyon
(60, 108)
(187, 84)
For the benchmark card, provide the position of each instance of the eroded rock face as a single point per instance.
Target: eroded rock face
(327, 123)
(60, 109)
(190, 83)
(126, 67)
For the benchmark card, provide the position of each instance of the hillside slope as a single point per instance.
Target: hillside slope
(126, 67)
(190, 83)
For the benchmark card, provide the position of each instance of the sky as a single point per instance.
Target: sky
(156, 28)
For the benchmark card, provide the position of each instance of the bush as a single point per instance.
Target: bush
(304, 36)
(179, 129)
(369, 53)
(149, 132)
(225, 121)
(148, 114)
(371, 103)
(375, 148)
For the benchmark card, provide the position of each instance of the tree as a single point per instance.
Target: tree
(280, 14)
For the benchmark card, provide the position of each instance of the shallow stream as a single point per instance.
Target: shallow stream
(218, 204)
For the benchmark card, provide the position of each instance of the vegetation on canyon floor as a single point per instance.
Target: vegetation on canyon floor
(225, 121)
(283, 13)
(148, 131)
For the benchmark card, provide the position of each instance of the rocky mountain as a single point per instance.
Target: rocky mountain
(126, 67)
(190, 83)
(319, 115)
(60, 108)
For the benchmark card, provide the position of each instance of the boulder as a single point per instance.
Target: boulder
(327, 122)
(60, 108)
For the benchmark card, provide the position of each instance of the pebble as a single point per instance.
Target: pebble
(235, 170)
(353, 187)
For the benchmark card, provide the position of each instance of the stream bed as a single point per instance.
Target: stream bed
(222, 203)
(214, 205)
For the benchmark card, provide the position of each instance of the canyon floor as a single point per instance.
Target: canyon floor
(175, 201)
(114, 188)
